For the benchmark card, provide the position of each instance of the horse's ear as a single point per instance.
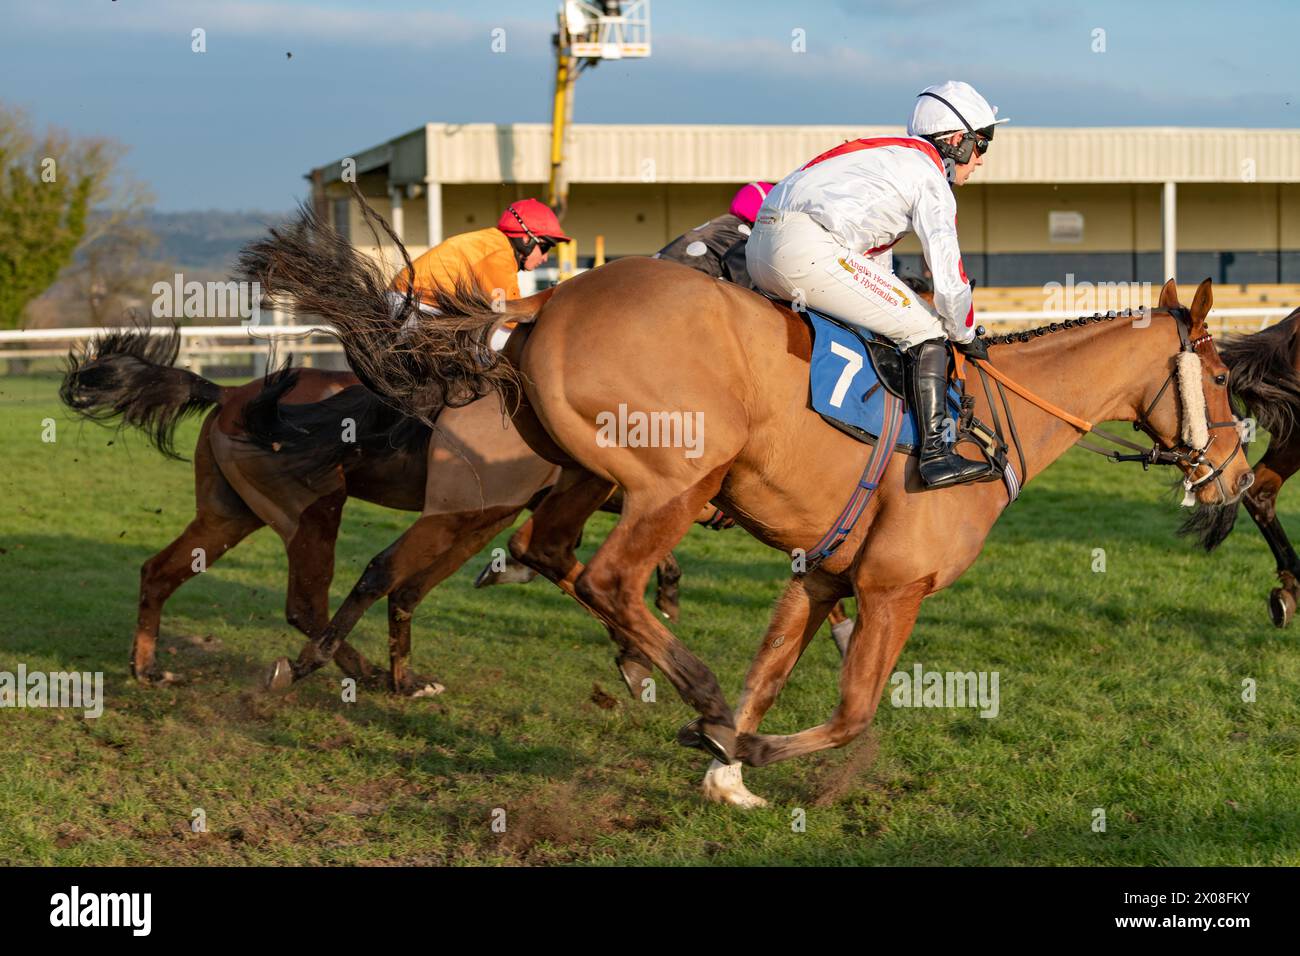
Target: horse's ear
(1203, 302)
(1168, 296)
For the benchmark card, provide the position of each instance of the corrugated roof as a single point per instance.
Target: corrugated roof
(628, 153)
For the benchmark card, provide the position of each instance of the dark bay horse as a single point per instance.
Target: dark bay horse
(631, 334)
(273, 453)
(1265, 374)
(129, 376)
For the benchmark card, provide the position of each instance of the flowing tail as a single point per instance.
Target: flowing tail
(416, 361)
(1264, 374)
(129, 375)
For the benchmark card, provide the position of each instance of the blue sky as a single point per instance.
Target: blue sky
(237, 127)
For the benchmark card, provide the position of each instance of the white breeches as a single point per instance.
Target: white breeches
(790, 256)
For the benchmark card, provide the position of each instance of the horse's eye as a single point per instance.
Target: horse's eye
(1221, 378)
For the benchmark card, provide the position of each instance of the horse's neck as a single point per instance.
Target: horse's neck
(1097, 372)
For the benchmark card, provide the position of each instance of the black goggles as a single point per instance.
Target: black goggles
(982, 139)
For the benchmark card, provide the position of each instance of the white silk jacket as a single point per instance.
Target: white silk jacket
(869, 193)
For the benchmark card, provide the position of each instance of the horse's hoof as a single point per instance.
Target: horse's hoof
(840, 634)
(1281, 606)
(153, 677)
(420, 687)
(513, 573)
(723, 784)
(712, 740)
(280, 676)
(634, 675)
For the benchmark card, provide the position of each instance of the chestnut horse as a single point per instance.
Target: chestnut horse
(654, 336)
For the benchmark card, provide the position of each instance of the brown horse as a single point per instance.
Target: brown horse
(1265, 370)
(653, 337)
(273, 452)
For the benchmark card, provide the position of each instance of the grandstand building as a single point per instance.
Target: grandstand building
(1116, 205)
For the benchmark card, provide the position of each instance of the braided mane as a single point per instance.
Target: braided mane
(1026, 335)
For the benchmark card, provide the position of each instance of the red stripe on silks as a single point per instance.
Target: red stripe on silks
(879, 249)
(853, 145)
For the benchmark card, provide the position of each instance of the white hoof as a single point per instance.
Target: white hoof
(431, 689)
(722, 784)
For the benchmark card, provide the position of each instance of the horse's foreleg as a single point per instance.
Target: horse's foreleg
(798, 615)
(475, 532)
(311, 569)
(885, 620)
(418, 547)
(1271, 473)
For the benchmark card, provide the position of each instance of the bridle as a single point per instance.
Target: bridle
(1160, 453)
(1184, 453)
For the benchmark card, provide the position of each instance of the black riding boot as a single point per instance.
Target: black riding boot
(940, 465)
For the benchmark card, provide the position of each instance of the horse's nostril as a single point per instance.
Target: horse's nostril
(1245, 481)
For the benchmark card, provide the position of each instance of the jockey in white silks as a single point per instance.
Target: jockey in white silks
(824, 236)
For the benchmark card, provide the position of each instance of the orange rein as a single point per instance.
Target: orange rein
(1079, 423)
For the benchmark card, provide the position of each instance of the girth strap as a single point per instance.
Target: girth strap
(867, 484)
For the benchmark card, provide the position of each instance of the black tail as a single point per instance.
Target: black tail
(316, 437)
(128, 374)
(415, 361)
(1264, 374)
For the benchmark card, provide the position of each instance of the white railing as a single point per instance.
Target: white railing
(195, 340)
(202, 340)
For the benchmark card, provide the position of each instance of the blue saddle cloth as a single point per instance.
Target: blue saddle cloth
(845, 388)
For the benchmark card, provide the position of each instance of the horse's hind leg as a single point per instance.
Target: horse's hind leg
(885, 620)
(795, 621)
(311, 569)
(204, 540)
(546, 543)
(613, 586)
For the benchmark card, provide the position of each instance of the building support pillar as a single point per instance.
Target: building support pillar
(1169, 231)
(433, 209)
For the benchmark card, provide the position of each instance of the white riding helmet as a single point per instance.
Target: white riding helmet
(951, 107)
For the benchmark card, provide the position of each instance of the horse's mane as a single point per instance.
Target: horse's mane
(1027, 335)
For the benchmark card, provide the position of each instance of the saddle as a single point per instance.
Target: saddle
(855, 375)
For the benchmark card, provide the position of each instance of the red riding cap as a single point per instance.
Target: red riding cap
(529, 216)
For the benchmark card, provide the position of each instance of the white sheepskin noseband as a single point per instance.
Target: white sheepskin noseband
(1196, 427)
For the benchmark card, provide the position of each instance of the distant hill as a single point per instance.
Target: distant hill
(207, 240)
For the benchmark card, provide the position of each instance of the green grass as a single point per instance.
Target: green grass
(1119, 690)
